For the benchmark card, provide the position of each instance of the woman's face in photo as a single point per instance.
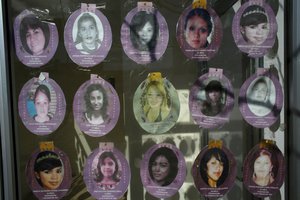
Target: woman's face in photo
(88, 32)
(96, 99)
(262, 166)
(41, 103)
(214, 96)
(160, 169)
(108, 167)
(256, 34)
(154, 97)
(35, 40)
(146, 33)
(196, 32)
(214, 169)
(260, 91)
(51, 179)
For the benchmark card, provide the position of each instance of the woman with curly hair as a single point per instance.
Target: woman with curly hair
(96, 104)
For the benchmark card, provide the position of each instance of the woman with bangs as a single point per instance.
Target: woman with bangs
(48, 170)
(34, 35)
(107, 173)
(254, 25)
(214, 167)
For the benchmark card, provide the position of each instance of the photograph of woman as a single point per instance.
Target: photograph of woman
(197, 28)
(214, 167)
(254, 25)
(258, 97)
(144, 31)
(263, 168)
(155, 101)
(163, 166)
(96, 103)
(107, 171)
(87, 38)
(48, 170)
(42, 99)
(213, 103)
(34, 35)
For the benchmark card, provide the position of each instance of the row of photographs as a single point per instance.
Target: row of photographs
(156, 105)
(144, 34)
(163, 171)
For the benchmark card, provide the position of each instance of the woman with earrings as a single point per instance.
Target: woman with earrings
(263, 168)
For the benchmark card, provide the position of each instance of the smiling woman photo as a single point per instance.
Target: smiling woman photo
(155, 102)
(254, 25)
(48, 170)
(107, 172)
(96, 104)
(34, 35)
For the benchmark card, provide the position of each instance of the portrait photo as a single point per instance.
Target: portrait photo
(106, 172)
(144, 35)
(254, 25)
(199, 33)
(96, 107)
(211, 99)
(264, 169)
(198, 27)
(42, 105)
(96, 104)
(163, 170)
(261, 96)
(34, 35)
(87, 33)
(163, 166)
(254, 28)
(35, 38)
(214, 171)
(49, 172)
(156, 104)
(41, 102)
(144, 31)
(214, 167)
(87, 36)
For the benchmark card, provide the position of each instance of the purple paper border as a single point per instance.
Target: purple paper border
(87, 60)
(200, 184)
(195, 108)
(96, 130)
(263, 191)
(96, 191)
(166, 124)
(251, 118)
(254, 51)
(163, 191)
(143, 57)
(37, 189)
(44, 128)
(25, 57)
(204, 54)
